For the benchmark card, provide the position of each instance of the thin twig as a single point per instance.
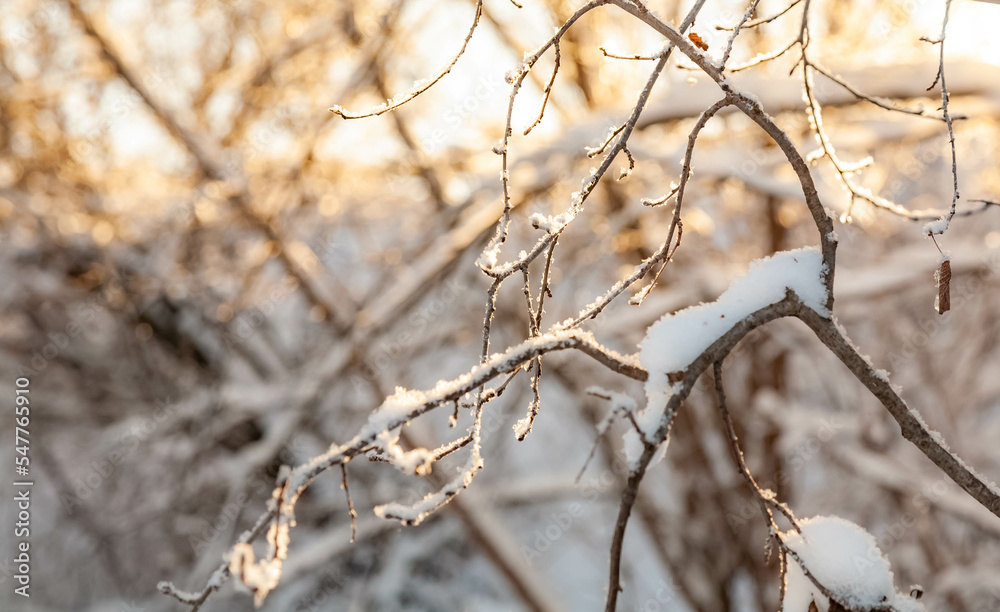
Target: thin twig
(547, 91)
(945, 221)
(759, 22)
(766, 498)
(736, 32)
(635, 56)
(350, 504)
(421, 86)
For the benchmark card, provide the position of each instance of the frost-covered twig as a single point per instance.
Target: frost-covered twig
(766, 499)
(635, 56)
(736, 32)
(941, 226)
(667, 248)
(516, 79)
(877, 101)
(350, 504)
(759, 22)
(419, 87)
(621, 404)
(665, 252)
(489, 260)
(221, 574)
(764, 57)
(547, 90)
(846, 170)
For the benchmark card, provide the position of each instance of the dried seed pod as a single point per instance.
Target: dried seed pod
(942, 303)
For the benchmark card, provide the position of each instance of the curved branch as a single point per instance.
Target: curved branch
(717, 351)
(911, 424)
(826, 329)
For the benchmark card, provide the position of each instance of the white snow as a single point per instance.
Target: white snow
(522, 427)
(415, 514)
(846, 560)
(550, 223)
(936, 227)
(677, 339)
(259, 578)
(417, 461)
(488, 259)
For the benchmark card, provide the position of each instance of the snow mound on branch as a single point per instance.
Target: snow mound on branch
(846, 560)
(677, 339)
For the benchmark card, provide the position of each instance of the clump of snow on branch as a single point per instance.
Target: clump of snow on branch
(522, 427)
(846, 560)
(415, 514)
(417, 461)
(488, 258)
(259, 578)
(550, 223)
(936, 228)
(677, 339)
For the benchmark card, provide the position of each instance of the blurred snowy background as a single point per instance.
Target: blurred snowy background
(225, 277)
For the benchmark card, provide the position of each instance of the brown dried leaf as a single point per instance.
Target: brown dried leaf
(697, 40)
